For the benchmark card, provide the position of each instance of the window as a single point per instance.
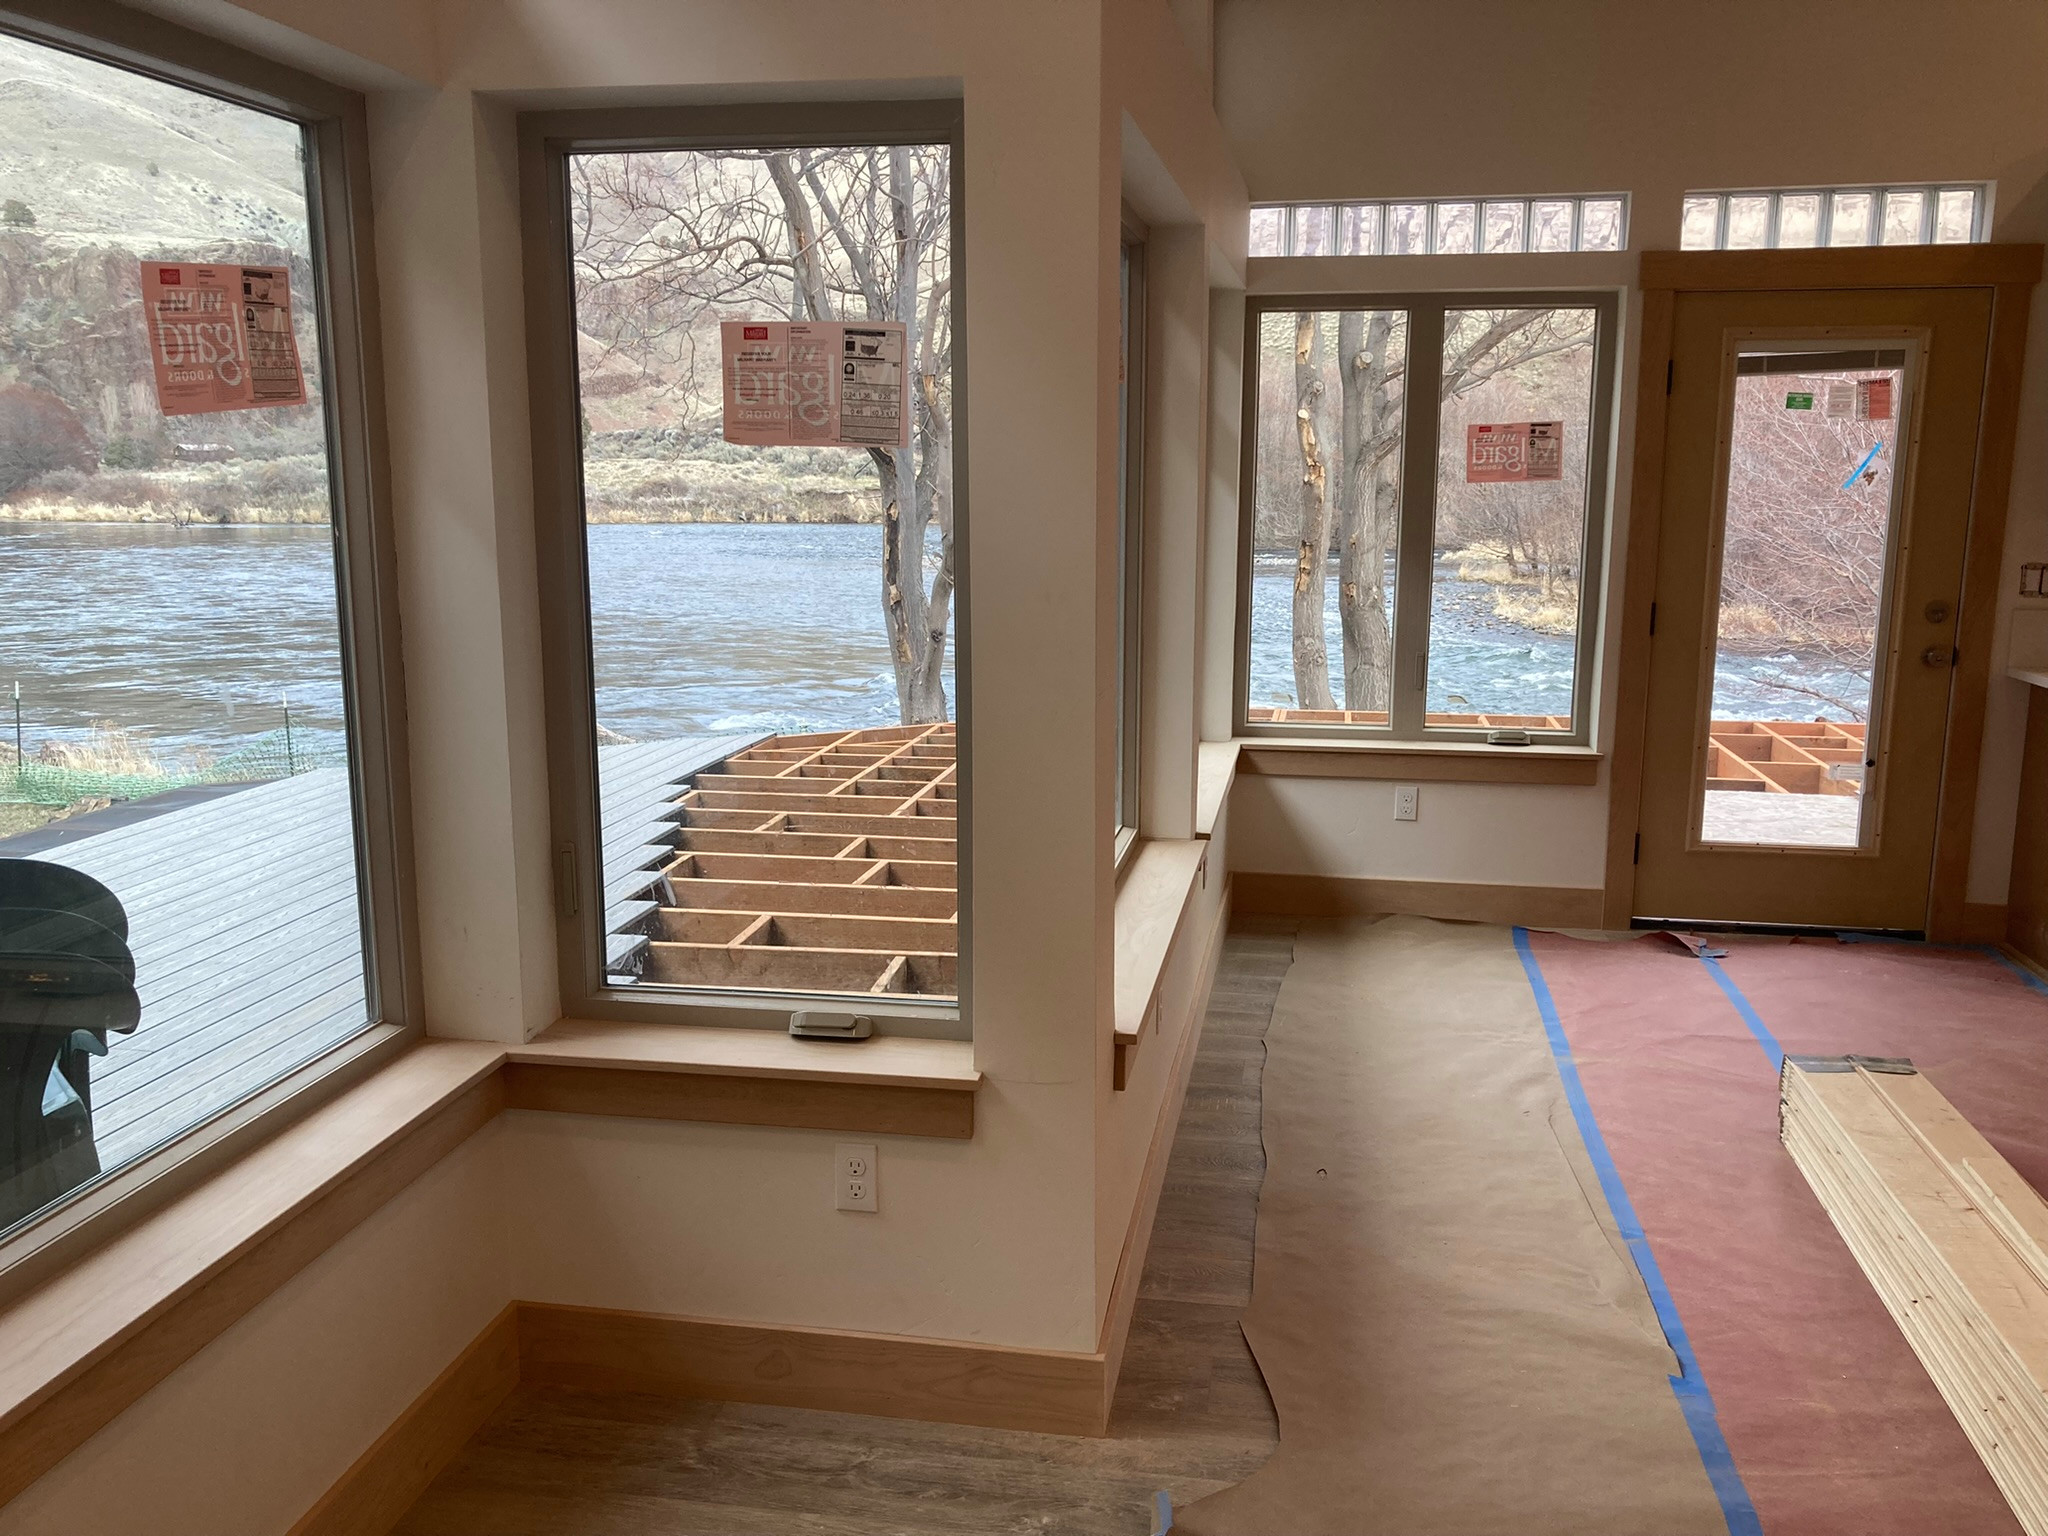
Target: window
(1444, 227)
(1405, 576)
(198, 903)
(1797, 218)
(1130, 525)
(753, 554)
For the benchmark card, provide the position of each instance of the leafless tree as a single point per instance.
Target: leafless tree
(667, 244)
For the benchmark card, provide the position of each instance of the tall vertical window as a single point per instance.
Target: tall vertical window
(763, 505)
(189, 905)
(1423, 573)
(1130, 523)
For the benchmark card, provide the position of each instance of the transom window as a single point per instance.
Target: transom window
(1408, 573)
(1784, 218)
(1448, 226)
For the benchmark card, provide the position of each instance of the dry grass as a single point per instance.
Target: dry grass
(1518, 597)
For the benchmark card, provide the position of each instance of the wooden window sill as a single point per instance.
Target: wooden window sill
(80, 1349)
(1158, 885)
(1429, 762)
(1215, 770)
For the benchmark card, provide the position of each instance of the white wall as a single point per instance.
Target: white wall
(244, 1437)
(1323, 99)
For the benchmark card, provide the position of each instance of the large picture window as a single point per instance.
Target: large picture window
(1430, 571)
(762, 502)
(197, 895)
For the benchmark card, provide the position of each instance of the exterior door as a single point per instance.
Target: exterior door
(1819, 455)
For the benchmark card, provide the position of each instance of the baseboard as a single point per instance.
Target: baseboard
(940, 1380)
(374, 1493)
(1536, 906)
(1984, 922)
(1130, 1269)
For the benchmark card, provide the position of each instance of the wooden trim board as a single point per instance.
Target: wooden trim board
(1535, 906)
(938, 1380)
(376, 1491)
(1888, 266)
(1424, 764)
(732, 1100)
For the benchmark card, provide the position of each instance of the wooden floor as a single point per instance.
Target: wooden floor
(1191, 1412)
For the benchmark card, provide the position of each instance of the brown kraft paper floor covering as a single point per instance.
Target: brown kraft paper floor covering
(1455, 1339)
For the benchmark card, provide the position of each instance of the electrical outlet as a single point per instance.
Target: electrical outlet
(856, 1181)
(1405, 798)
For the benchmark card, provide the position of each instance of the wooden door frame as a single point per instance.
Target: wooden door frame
(2010, 272)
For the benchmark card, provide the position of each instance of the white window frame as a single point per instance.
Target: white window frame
(1878, 192)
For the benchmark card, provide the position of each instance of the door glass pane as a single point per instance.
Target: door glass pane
(1749, 223)
(768, 503)
(1325, 514)
(1854, 215)
(1517, 388)
(180, 920)
(1804, 555)
(1902, 216)
(1955, 216)
(1506, 227)
(1701, 221)
(1798, 219)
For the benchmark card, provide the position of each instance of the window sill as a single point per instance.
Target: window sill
(82, 1348)
(1151, 901)
(1448, 762)
(1215, 770)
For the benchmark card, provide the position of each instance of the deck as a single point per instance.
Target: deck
(245, 925)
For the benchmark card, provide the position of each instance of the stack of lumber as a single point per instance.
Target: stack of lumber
(1953, 1239)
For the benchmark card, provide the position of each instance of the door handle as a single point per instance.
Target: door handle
(1938, 656)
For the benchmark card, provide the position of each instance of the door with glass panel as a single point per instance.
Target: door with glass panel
(1817, 477)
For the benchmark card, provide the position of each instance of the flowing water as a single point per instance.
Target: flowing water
(196, 638)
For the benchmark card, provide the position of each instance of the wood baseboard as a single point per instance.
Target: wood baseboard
(1130, 1269)
(1535, 906)
(374, 1493)
(939, 1380)
(1984, 922)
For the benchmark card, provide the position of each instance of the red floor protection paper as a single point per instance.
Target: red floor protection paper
(1833, 1423)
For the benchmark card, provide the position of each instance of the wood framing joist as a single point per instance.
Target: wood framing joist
(812, 863)
(1954, 1241)
(1787, 757)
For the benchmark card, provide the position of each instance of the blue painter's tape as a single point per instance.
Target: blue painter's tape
(1858, 470)
(2015, 967)
(1756, 1025)
(1695, 1402)
(1162, 1513)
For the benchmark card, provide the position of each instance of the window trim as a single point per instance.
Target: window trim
(1417, 516)
(344, 305)
(546, 140)
(1131, 523)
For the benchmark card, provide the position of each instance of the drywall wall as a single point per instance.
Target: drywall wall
(245, 1436)
(2027, 930)
(1324, 99)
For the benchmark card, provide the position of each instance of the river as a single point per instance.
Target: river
(196, 638)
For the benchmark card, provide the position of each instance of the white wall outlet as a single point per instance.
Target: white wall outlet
(1405, 798)
(856, 1180)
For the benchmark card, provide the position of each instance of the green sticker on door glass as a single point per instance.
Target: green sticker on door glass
(1797, 402)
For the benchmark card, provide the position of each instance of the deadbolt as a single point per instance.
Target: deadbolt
(1938, 656)
(1936, 611)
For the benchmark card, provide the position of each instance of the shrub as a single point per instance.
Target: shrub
(16, 214)
(39, 433)
(130, 453)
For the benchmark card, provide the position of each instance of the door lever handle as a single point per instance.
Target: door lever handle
(1938, 656)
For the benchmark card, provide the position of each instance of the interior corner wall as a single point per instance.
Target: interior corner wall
(243, 1438)
(1612, 96)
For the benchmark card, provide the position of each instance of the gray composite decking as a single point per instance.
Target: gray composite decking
(246, 929)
